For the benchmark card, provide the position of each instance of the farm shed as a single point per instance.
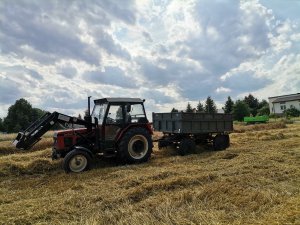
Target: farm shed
(278, 104)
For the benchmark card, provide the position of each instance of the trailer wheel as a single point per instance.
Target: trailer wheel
(220, 142)
(135, 146)
(187, 146)
(77, 161)
(227, 140)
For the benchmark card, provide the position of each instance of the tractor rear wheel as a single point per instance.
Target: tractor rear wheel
(77, 161)
(135, 146)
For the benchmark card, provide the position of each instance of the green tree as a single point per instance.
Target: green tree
(21, 115)
(174, 110)
(253, 104)
(240, 110)
(265, 110)
(200, 107)
(228, 105)
(263, 103)
(189, 108)
(1, 125)
(210, 106)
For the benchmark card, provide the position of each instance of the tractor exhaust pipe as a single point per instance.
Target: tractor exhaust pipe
(88, 117)
(89, 105)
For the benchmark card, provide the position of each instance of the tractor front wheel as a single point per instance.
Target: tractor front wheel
(77, 161)
(135, 146)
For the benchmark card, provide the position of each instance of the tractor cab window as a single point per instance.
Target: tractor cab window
(136, 113)
(115, 115)
(99, 112)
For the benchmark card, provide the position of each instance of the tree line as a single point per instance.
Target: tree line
(22, 114)
(249, 106)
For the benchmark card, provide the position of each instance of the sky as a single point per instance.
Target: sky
(56, 53)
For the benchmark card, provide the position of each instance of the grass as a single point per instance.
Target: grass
(255, 181)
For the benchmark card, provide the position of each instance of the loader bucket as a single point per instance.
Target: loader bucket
(25, 142)
(26, 139)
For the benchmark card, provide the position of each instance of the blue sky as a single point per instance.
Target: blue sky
(56, 53)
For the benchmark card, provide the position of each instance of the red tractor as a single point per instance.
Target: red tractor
(116, 127)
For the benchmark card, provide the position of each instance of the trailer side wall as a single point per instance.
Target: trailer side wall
(192, 123)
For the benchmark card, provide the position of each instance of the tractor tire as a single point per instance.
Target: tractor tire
(220, 142)
(135, 146)
(77, 161)
(187, 146)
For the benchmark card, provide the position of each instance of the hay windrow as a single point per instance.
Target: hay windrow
(255, 181)
(258, 127)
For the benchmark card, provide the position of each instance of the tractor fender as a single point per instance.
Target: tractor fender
(84, 149)
(145, 126)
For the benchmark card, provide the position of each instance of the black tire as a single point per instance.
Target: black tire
(135, 146)
(220, 142)
(186, 146)
(77, 161)
(227, 140)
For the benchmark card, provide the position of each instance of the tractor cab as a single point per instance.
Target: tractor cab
(115, 114)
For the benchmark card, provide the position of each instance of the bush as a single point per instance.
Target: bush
(292, 112)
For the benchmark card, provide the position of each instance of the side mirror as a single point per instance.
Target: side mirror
(128, 108)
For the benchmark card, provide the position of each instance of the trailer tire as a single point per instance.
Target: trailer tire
(220, 142)
(77, 161)
(227, 140)
(135, 146)
(186, 146)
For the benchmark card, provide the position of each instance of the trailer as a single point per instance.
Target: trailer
(186, 130)
(256, 119)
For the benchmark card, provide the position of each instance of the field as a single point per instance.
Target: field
(255, 181)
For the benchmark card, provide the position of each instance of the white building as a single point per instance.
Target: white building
(279, 103)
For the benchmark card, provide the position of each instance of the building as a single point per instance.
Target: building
(278, 104)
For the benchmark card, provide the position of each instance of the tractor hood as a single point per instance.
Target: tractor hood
(69, 132)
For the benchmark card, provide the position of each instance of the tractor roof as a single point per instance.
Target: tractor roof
(118, 100)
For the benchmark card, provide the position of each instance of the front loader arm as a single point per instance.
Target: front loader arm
(29, 137)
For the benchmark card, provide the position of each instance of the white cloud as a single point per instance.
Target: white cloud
(168, 52)
(223, 90)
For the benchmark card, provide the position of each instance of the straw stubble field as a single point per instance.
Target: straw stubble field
(255, 181)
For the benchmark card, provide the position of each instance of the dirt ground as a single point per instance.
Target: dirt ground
(255, 181)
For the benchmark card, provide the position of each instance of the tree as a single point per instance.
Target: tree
(20, 116)
(189, 108)
(253, 104)
(228, 105)
(200, 107)
(240, 110)
(210, 106)
(263, 103)
(265, 110)
(1, 125)
(79, 116)
(174, 110)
